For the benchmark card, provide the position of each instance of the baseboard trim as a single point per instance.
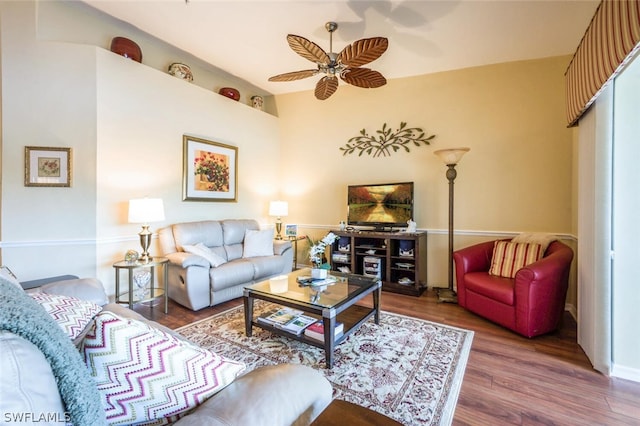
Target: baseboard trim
(571, 308)
(626, 373)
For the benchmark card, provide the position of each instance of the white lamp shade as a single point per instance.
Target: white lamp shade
(451, 155)
(146, 210)
(278, 208)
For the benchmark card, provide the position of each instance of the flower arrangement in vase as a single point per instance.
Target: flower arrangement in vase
(316, 254)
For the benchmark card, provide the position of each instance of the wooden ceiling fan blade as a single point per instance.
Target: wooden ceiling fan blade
(295, 75)
(363, 77)
(307, 49)
(326, 87)
(363, 51)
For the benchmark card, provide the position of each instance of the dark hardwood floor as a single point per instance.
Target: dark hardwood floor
(509, 379)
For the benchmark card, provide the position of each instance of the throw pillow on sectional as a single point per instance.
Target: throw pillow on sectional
(258, 243)
(145, 375)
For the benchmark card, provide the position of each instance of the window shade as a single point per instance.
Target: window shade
(612, 38)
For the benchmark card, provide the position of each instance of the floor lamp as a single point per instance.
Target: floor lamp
(450, 157)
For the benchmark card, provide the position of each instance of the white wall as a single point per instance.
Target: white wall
(626, 227)
(142, 117)
(594, 239)
(48, 99)
(124, 122)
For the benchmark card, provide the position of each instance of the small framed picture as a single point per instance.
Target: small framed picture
(47, 166)
(291, 231)
(210, 170)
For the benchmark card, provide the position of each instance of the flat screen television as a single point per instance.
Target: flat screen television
(385, 205)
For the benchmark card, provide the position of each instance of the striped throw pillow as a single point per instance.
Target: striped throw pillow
(510, 257)
(71, 313)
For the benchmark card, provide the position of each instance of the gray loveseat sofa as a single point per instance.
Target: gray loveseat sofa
(196, 282)
(39, 359)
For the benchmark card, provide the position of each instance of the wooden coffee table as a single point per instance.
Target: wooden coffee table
(333, 303)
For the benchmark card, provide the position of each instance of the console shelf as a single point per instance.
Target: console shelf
(398, 258)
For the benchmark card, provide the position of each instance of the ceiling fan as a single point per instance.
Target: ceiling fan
(346, 64)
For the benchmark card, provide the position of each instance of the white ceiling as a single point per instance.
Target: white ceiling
(248, 38)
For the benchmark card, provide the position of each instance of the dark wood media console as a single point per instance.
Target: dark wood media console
(400, 258)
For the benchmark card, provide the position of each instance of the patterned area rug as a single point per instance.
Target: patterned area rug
(405, 368)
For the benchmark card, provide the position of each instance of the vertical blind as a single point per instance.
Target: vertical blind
(612, 38)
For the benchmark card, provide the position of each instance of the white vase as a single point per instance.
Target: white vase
(319, 274)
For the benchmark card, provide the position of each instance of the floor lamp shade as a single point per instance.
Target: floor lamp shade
(278, 209)
(145, 211)
(450, 157)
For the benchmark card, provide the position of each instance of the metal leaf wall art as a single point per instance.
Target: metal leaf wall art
(386, 141)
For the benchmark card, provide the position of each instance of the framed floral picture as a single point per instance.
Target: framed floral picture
(210, 170)
(47, 166)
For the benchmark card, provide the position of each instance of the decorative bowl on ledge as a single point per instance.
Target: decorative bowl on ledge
(127, 48)
(230, 92)
(182, 71)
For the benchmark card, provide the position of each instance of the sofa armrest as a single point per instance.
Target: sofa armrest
(89, 289)
(42, 281)
(541, 289)
(284, 394)
(184, 260)
(548, 273)
(476, 258)
(281, 246)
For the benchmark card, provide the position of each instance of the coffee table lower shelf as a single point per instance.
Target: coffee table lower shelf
(352, 318)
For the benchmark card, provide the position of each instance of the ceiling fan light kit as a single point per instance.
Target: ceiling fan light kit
(346, 64)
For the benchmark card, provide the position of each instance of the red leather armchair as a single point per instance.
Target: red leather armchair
(530, 304)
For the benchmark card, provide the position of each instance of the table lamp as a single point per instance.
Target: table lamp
(278, 209)
(145, 211)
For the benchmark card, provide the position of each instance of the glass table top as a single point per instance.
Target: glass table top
(345, 287)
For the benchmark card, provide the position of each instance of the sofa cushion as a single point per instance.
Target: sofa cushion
(234, 230)
(28, 386)
(490, 286)
(90, 289)
(508, 258)
(258, 243)
(231, 274)
(267, 266)
(282, 394)
(147, 375)
(208, 232)
(71, 313)
(202, 250)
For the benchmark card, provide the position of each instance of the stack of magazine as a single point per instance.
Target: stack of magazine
(287, 319)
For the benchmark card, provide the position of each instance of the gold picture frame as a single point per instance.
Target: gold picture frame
(47, 166)
(210, 170)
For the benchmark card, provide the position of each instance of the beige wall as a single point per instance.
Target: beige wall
(517, 176)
